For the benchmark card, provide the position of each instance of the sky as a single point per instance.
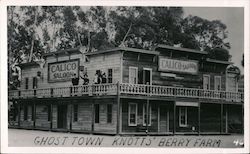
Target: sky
(233, 18)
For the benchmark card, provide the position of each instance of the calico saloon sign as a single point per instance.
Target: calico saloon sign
(174, 65)
(63, 71)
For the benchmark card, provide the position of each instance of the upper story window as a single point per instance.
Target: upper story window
(217, 83)
(133, 75)
(26, 83)
(206, 82)
(110, 75)
(34, 82)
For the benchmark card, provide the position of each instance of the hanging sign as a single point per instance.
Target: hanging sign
(174, 65)
(63, 71)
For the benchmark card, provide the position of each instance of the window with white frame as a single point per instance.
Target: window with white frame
(133, 75)
(145, 115)
(206, 82)
(132, 114)
(217, 83)
(183, 116)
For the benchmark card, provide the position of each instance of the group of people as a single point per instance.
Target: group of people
(98, 78)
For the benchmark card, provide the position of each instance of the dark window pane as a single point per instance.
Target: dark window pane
(75, 112)
(109, 113)
(97, 110)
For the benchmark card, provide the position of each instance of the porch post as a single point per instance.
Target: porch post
(174, 122)
(34, 115)
(147, 115)
(242, 117)
(221, 118)
(51, 116)
(19, 114)
(226, 120)
(199, 118)
(70, 120)
(93, 116)
(118, 109)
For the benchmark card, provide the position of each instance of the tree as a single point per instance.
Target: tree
(209, 36)
(31, 20)
(133, 26)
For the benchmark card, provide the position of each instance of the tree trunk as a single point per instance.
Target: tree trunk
(33, 36)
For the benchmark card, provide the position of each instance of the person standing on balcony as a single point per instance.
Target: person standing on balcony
(75, 82)
(96, 78)
(104, 79)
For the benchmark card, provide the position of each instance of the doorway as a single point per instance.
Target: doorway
(163, 118)
(147, 76)
(62, 116)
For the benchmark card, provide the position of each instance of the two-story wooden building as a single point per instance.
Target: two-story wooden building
(167, 90)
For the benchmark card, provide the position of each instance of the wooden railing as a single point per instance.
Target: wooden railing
(127, 89)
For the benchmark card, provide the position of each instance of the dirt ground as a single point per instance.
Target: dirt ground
(35, 138)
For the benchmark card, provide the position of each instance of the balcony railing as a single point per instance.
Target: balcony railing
(127, 89)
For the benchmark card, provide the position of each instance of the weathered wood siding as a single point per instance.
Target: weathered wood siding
(84, 122)
(26, 123)
(54, 116)
(103, 125)
(183, 80)
(42, 116)
(139, 127)
(103, 62)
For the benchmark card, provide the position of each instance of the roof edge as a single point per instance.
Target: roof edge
(180, 49)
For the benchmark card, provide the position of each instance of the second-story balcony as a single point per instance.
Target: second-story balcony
(126, 89)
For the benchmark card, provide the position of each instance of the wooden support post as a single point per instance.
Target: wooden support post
(118, 109)
(147, 115)
(158, 119)
(70, 121)
(199, 118)
(93, 116)
(226, 120)
(221, 118)
(174, 121)
(242, 117)
(51, 116)
(19, 114)
(34, 115)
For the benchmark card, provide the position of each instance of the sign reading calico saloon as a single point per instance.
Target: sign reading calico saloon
(62, 71)
(168, 65)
